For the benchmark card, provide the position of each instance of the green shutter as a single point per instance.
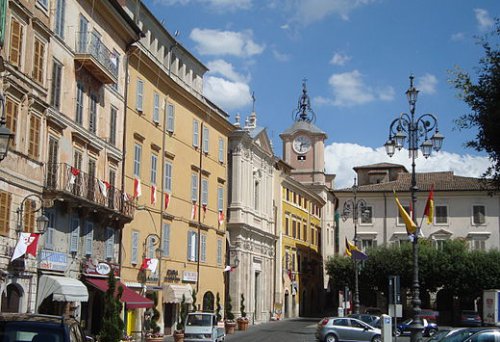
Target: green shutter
(3, 15)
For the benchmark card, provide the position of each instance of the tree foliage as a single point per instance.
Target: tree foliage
(482, 95)
(112, 324)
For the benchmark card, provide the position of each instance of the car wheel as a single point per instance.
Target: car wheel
(398, 332)
(377, 338)
(431, 332)
(331, 338)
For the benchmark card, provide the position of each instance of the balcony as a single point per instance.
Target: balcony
(69, 184)
(94, 56)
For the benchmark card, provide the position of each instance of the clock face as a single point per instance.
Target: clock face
(301, 144)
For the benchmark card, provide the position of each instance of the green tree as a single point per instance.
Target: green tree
(482, 95)
(155, 316)
(112, 324)
(181, 322)
(218, 307)
(229, 309)
(193, 295)
(242, 306)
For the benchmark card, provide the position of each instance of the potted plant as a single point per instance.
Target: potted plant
(243, 319)
(218, 308)
(112, 324)
(179, 327)
(153, 329)
(229, 322)
(193, 295)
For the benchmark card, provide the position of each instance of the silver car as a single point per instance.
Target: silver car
(336, 329)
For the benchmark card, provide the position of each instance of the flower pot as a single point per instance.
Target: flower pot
(243, 324)
(156, 339)
(178, 336)
(230, 326)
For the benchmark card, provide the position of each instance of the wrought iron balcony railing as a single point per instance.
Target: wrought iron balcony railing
(94, 55)
(64, 178)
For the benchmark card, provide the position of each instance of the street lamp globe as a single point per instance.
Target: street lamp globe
(42, 223)
(5, 138)
(437, 140)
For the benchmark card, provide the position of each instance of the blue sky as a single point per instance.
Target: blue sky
(356, 55)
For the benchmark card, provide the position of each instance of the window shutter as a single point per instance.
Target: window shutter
(135, 242)
(34, 137)
(189, 246)
(165, 244)
(206, 133)
(89, 237)
(5, 200)
(203, 248)
(16, 41)
(49, 234)
(195, 133)
(204, 191)
(110, 243)
(75, 235)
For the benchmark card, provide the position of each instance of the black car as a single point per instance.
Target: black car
(469, 318)
(40, 328)
(474, 334)
(367, 318)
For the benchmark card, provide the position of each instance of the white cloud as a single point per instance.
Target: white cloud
(227, 94)
(457, 37)
(310, 11)
(216, 42)
(349, 89)
(342, 157)
(340, 59)
(484, 21)
(223, 68)
(281, 57)
(426, 84)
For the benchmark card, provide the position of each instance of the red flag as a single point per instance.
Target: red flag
(167, 200)
(137, 188)
(429, 206)
(193, 211)
(27, 244)
(204, 207)
(221, 217)
(149, 264)
(153, 194)
(74, 173)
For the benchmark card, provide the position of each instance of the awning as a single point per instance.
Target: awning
(62, 289)
(132, 299)
(173, 294)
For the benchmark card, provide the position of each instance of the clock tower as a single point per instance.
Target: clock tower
(304, 144)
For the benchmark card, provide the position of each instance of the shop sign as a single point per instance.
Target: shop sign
(172, 276)
(102, 268)
(53, 261)
(190, 277)
(95, 267)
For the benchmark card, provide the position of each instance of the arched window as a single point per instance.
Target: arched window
(208, 302)
(11, 298)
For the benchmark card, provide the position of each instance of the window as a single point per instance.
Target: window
(79, 103)
(134, 256)
(55, 94)
(219, 252)
(115, 66)
(203, 248)
(11, 110)
(44, 3)
(34, 136)
(477, 244)
(150, 247)
(83, 34)
(298, 230)
(220, 198)
(221, 150)
(112, 125)
(192, 247)
(170, 117)
(167, 182)
(110, 243)
(400, 219)
(194, 187)
(367, 215)
(139, 95)
(438, 244)
(93, 113)
(256, 195)
(165, 243)
(478, 214)
(88, 240)
(52, 163)
(38, 61)
(49, 234)
(74, 235)
(91, 178)
(156, 108)
(5, 200)
(154, 161)
(441, 214)
(304, 230)
(287, 226)
(205, 139)
(137, 160)
(59, 20)
(16, 42)
(195, 133)
(294, 228)
(204, 191)
(368, 243)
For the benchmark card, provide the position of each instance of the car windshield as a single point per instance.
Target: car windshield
(200, 320)
(458, 336)
(29, 331)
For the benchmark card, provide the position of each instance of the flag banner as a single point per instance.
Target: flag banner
(228, 269)
(354, 252)
(193, 211)
(137, 188)
(103, 187)
(411, 227)
(27, 244)
(153, 194)
(126, 197)
(221, 218)
(149, 264)
(204, 207)
(429, 206)
(74, 172)
(347, 247)
(167, 200)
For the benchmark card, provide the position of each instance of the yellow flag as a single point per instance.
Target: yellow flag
(411, 227)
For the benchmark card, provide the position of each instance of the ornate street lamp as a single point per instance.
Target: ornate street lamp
(406, 125)
(42, 222)
(5, 134)
(355, 208)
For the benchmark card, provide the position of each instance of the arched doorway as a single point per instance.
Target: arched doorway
(208, 302)
(11, 298)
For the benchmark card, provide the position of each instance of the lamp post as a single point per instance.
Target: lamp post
(42, 222)
(355, 208)
(416, 128)
(5, 134)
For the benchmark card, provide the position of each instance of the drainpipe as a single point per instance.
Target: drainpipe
(199, 209)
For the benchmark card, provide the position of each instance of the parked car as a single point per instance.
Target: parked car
(439, 335)
(430, 328)
(202, 326)
(374, 311)
(473, 334)
(429, 314)
(40, 328)
(367, 318)
(339, 329)
(469, 318)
